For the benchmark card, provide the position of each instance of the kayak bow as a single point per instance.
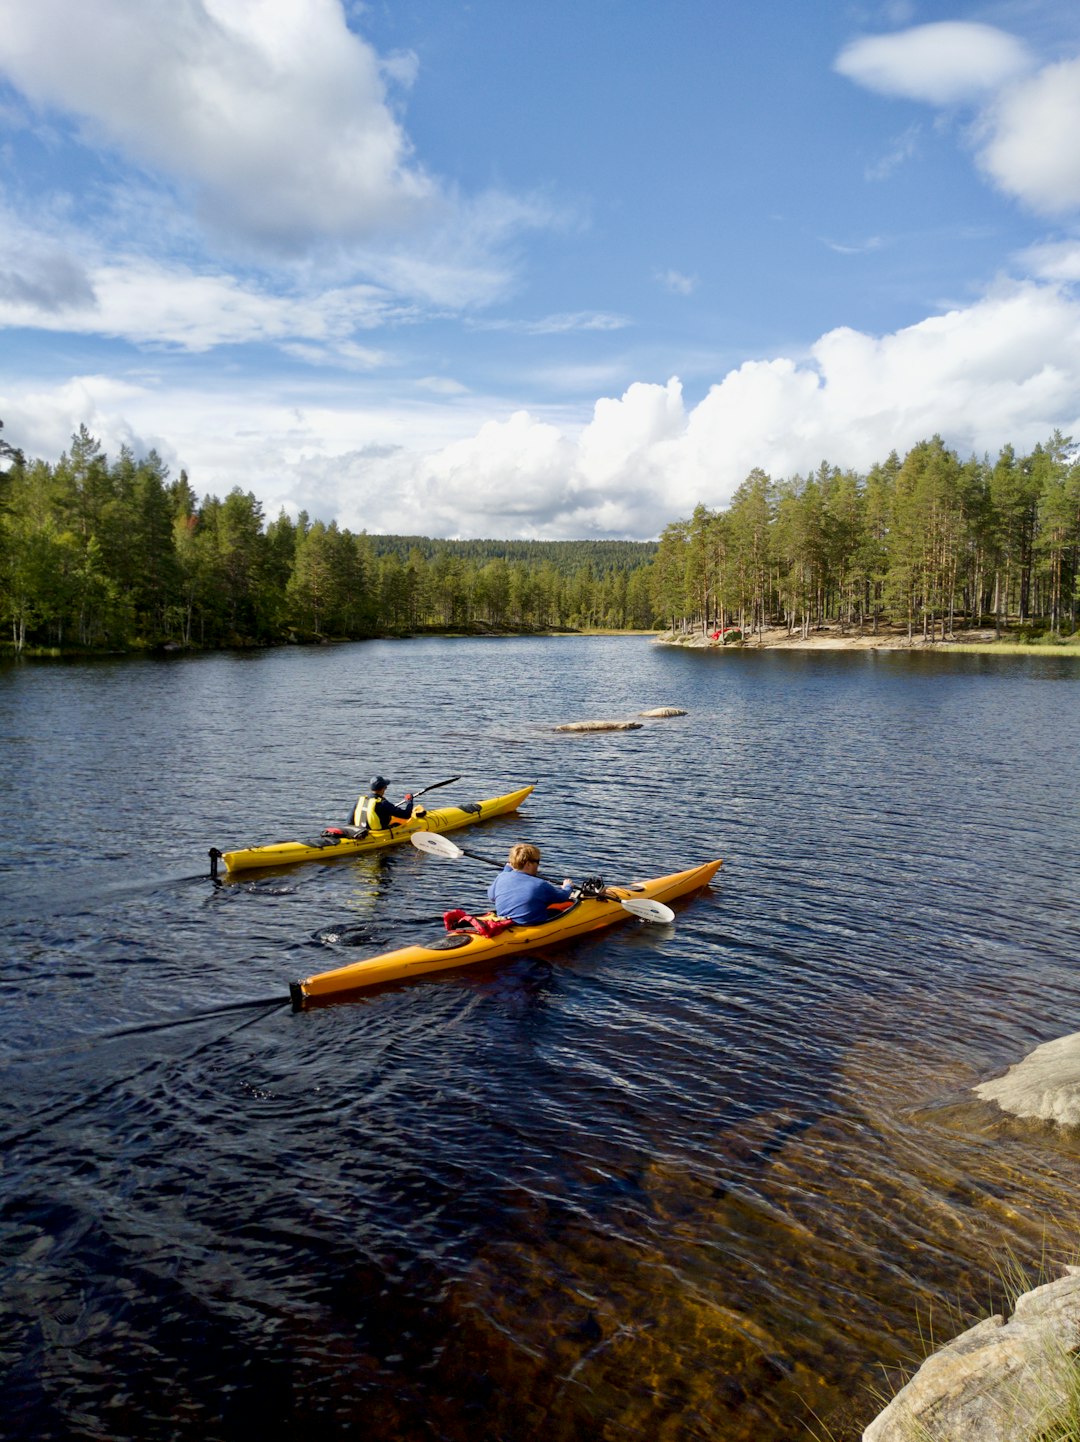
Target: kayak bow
(457, 949)
(328, 848)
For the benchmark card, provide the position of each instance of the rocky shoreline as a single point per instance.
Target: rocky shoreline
(886, 638)
(1015, 1379)
(1002, 1380)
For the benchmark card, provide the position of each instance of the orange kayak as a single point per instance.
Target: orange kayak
(457, 949)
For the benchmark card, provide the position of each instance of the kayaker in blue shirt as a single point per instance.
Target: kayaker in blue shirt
(518, 893)
(377, 813)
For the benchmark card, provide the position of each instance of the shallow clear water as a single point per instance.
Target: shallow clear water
(700, 1181)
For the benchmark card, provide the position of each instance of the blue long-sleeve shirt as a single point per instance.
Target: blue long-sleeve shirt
(524, 898)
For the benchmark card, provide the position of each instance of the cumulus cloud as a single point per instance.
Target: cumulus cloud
(1031, 132)
(943, 63)
(1005, 369)
(45, 419)
(272, 111)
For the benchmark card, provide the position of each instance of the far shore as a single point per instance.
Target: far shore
(982, 641)
(831, 638)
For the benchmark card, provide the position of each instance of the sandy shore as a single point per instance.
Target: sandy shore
(830, 638)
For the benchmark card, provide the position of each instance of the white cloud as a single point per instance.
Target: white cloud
(621, 431)
(902, 150)
(1027, 119)
(234, 129)
(168, 306)
(441, 386)
(556, 324)
(583, 378)
(677, 282)
(344, 354)
(1005, 369)
(1055, 261)
(859, 247)
(944, 63)
(273, 111)
(1031, 148)
(47, 419)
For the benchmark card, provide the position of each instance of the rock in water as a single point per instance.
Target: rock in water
(1046, 1084)
(663, 711)
(997, 1382)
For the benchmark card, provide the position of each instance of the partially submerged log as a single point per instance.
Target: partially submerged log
(663, 711)
(600, 726)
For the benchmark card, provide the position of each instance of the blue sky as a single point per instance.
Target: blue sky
(535, 270)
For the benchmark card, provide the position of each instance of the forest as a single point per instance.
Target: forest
(114, 555)
(927, 543)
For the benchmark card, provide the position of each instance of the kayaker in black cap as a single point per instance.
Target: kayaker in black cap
(375, 812)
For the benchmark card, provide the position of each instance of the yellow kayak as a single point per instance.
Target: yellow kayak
(457, 949)
(329, 848)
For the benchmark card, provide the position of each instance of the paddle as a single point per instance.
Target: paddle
(435, 786)
(436, 845)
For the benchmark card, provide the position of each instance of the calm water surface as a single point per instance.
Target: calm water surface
(700, 1181)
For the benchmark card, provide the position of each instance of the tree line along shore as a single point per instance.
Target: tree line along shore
(114, 555)
(927, 545)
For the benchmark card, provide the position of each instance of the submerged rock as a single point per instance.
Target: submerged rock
(1045, 1085)
(600, 726)
(997, 1382)
(663, 711)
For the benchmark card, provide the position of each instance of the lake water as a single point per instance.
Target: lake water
(710, 1180)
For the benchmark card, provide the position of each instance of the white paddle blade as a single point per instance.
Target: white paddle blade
(435, 845)
(649, 910)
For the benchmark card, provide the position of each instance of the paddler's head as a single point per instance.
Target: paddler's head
(378, 785)
(524, 856)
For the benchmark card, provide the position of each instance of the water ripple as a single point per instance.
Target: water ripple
(686, 1181)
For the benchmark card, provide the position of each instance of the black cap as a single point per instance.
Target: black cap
(378, 783)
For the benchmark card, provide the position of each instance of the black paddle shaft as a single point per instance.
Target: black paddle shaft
(435, 786)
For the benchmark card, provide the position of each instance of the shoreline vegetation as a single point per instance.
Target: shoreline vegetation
(984, 641)
(477, 631)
